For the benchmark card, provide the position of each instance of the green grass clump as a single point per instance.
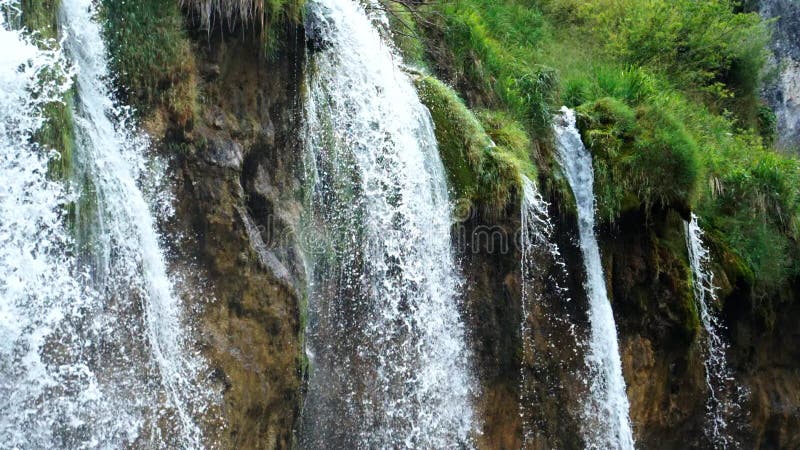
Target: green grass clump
(707, 47)
(479, 169)
(497, 66)
(642, 158)
(754, 206)
(152, 56)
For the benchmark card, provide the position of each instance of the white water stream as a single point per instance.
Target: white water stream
(389, 366)
(606, 424)
(95, 348)
(723, 396)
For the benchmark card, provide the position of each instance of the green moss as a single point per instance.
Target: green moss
(484, 171)
(643, 157)
(512, 143)
(41, 18)
(152, 56)
(462, 141)
(58, 133)
(669, 240)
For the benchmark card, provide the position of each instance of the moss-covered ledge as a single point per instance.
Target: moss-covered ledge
(40, 17)
(485, 155)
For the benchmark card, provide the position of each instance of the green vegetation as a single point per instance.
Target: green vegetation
(634, 153)
(58, 133)
(405, 32)
(667, 100)
(41, 18)
(495, 66)
(483, 164)
(152, 56)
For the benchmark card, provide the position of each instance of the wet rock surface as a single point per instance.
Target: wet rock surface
(238, 175)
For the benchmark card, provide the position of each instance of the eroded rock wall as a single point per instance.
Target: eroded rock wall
(239, 199)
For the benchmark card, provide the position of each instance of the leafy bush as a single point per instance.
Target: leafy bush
(704, 44)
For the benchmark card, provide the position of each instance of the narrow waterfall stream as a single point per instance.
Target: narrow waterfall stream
(95, 349)
(536, 234)
(723, 396)
(606, 423)
(389, 366)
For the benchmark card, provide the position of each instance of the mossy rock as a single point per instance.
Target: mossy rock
(484, 165)
(152, 57)
(57, 133)
(41, 16)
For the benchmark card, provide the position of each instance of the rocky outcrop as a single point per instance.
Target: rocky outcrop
(649, 282)
(782, 90)
(238, 168)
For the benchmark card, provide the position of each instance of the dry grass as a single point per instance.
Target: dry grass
(247, 13)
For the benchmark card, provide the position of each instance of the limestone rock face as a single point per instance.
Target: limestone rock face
(783, 91)
(240, 186)
(238, 177)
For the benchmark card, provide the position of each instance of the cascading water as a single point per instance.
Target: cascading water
(723, 398)
(389, 365)
(40, 297)
(552, 332)
(606, 424)
(536, 232)
(94, 353)
(129, 264)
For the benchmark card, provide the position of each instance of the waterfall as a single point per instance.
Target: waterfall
(536, 233)
(130, 264)
(606, 424)
(40, 297)
(95, 350)
(723, 396)
(389, 366)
